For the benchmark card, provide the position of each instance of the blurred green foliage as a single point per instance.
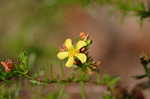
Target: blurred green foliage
(126, 6)
(20, 68)
(9, 92)
(110, 81)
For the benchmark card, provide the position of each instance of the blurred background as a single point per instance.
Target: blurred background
(41, 26)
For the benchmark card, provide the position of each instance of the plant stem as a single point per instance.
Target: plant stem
(51, 71)
(82, 91)
(61, 92)
(62, 70)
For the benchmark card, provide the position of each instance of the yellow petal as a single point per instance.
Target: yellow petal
(70, 62)
(68, 44)
(82, 57)
(62, 55)
(80, 44)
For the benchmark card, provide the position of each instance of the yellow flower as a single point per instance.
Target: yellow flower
(73, 52)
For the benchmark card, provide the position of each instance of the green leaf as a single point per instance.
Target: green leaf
(35, 82)
(113, 82)
(23, 65)
(110, 81)
(108, 97)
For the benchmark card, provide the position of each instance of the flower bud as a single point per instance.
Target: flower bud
(8, 65)
(63, 48)
(84, 36)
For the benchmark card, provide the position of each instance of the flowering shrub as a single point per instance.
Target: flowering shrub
(76, 56)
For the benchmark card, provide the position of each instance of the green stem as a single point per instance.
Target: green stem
(62, 70)
(82, 90)
(66, 81)
(29, 77)
(51, 71)
(61, 92)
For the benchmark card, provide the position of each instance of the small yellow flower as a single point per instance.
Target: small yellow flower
(73, 52)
